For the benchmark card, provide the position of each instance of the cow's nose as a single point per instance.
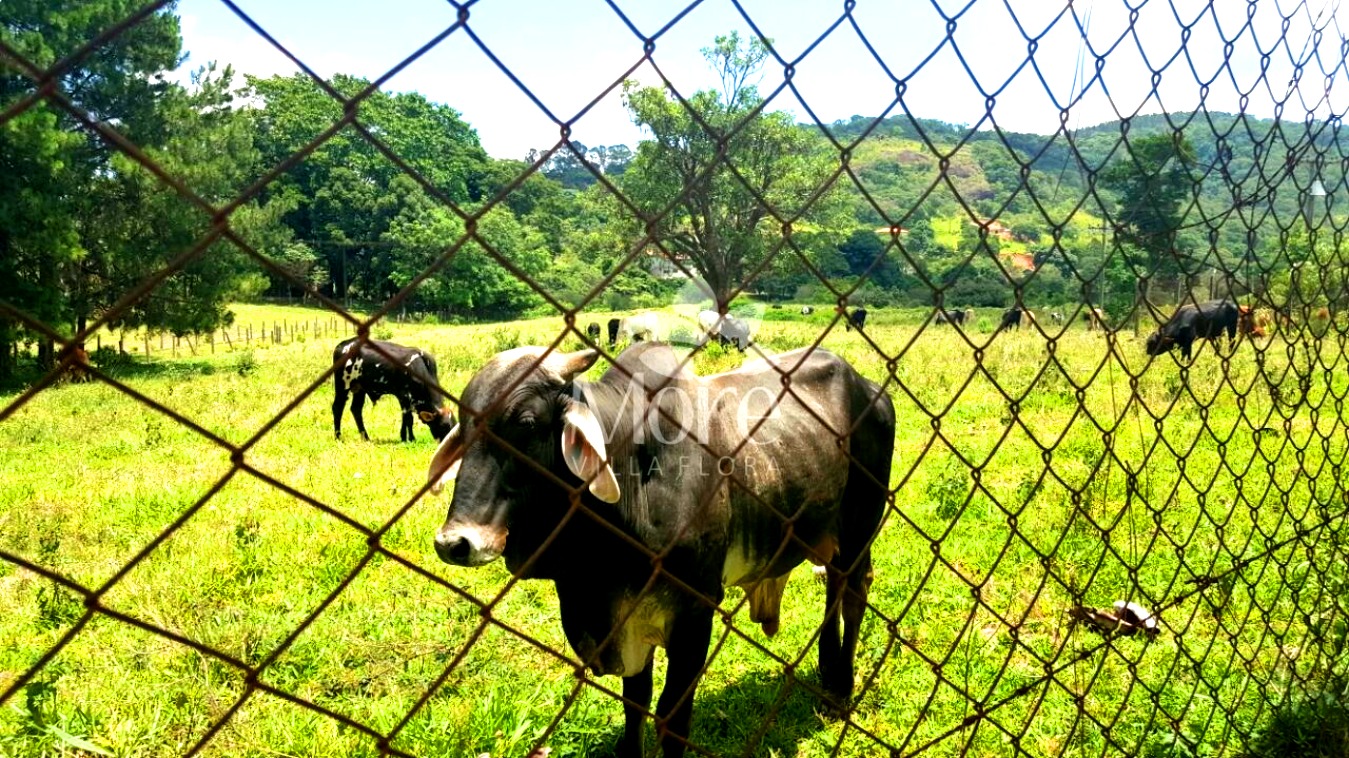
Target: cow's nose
(453, 549)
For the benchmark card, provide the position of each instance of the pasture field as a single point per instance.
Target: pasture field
(1213, 494)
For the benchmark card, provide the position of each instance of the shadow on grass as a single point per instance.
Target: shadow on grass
(123, 369)
(759, 715)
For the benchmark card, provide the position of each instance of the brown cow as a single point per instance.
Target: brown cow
(1095, 318)
(1248, 322)
(77, 370)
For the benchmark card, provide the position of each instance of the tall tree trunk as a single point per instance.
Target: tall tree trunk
(7, 342)
(1142, 302)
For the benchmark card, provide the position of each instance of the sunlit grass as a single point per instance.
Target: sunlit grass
(89, 478)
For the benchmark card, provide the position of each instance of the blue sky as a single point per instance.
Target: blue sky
(568, 54)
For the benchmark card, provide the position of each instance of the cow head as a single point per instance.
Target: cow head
(496, 489)
(440, 421)
(1159, 343)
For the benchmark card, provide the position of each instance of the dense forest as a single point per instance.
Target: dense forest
(355, 201)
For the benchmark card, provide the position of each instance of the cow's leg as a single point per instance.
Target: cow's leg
(339, 405)
(686, 652)
(637, 693)
(854, 608)
(405, 430)
(357, 406)
(829, 644)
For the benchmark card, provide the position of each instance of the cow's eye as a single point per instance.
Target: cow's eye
(527, 422)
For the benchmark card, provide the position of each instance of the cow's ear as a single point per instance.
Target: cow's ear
(425, 416)
(571, 365)
(445, 462)
(583, 450)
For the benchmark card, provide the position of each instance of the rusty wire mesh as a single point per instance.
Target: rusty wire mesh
(1242, 615)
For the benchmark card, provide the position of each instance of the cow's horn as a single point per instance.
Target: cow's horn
(570, 365)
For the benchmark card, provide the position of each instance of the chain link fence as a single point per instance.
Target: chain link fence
(1084, 548)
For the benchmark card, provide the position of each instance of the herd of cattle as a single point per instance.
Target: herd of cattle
(719, 508)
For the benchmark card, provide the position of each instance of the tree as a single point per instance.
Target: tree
(1152, 182)
(53, 170)
(346, 194)
(712, 158)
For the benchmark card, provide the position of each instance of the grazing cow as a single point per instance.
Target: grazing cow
(806, 310)
(959, 318)
(613, 332)
(1015, 316)
(643, 326)
(362, 371)
(727, 330)
(1095, 318)
(758, 489)
(856, 320)
(1205, 321)
(1056, 317)
(593, 332)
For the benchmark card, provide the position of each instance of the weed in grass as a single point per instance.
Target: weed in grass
(57, 607)
(246, 364)
(950, 489)
(505, 339)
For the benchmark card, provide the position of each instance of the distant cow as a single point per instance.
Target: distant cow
(410, 377)
(958, 318)
(739, 503)
(1205, 321)
(806, 310)
(1015, 317)
(613, 331)
(643, 326)
(727, 330)
(1095, 318)
(77, 370)
(856, 320)
(593, 332)
(1249, 322)
(1056, 317)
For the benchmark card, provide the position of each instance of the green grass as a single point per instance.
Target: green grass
(90, 477)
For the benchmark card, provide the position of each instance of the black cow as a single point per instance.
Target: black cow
(790, 492)
(857, 319)
(613, 332)
(1015, 316)
(953, 317)
(593, 332)
(1207, 320)
(361, 371)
